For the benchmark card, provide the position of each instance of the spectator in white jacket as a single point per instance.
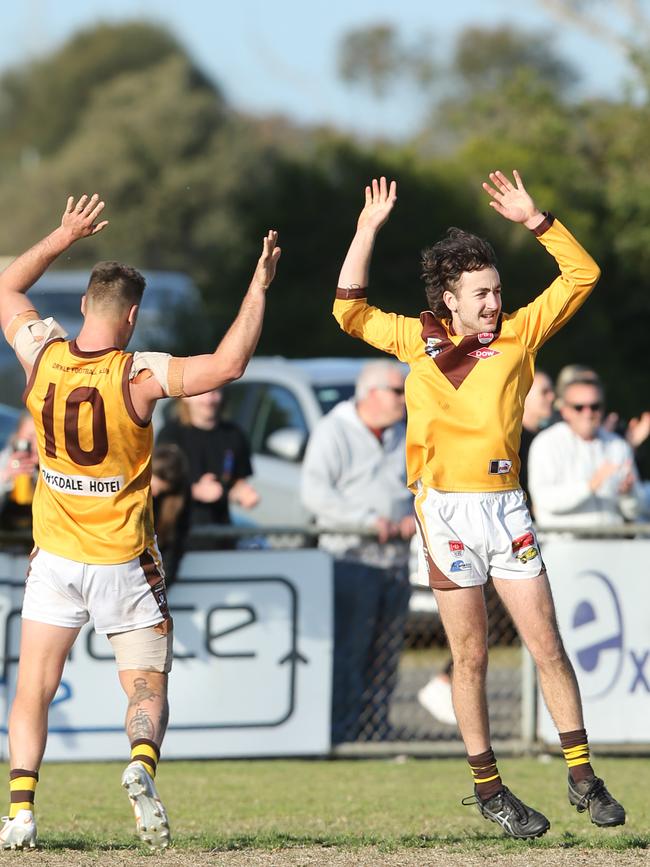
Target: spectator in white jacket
(579, 473)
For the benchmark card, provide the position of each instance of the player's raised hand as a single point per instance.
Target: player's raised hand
(512, 202)
(80, 218)
(380, 199)
(267, 263)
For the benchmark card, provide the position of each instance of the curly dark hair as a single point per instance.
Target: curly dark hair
(445, 262)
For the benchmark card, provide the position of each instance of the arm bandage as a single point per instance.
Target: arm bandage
(28, 334)
(167, 370)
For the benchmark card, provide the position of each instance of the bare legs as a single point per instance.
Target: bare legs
(530, 605)
(147, 713)
(43, 652)
(464, 618)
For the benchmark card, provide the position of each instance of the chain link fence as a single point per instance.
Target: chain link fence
(391, 677)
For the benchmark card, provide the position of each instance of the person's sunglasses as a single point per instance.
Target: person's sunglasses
(393, 388)
(581, 407)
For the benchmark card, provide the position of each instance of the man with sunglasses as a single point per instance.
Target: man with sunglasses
(471, 367)
(580, 474)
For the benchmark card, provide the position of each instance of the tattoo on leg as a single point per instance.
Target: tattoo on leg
(140, 726)
(141, 692)
(163, 719)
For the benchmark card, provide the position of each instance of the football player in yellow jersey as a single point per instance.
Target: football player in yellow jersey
(471, 366)
(95, 554)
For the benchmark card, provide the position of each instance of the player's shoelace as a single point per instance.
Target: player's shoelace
(597, 791)
(506, 800)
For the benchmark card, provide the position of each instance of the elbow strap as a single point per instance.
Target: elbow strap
(351, 293)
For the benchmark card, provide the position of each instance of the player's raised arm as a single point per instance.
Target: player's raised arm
(228, 361)
(513, 201)
(79, 220)
(197, 374)
(380, 199)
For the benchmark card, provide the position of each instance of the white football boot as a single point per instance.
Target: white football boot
(151, 820)
(19, 832)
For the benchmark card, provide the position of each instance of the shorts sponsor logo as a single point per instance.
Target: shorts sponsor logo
(499, 467)
(524, 541)
(484, 353)
(455, 546)
(460, 566)
(528, 554)
(82, 486)
(485, 337)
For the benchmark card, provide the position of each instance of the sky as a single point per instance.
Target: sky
(280, 57)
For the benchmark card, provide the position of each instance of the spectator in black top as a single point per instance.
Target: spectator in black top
(218, 456)
(170, 489)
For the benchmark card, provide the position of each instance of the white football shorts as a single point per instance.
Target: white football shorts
(466, 538)
(117, 598)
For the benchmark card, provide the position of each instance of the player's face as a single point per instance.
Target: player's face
(476, 302)
(582, 409)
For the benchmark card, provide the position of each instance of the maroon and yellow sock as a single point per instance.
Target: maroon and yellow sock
(575, 747)
(147, 753)
(486, 776)
(22, 788)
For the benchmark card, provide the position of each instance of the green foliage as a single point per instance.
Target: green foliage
(486, 59)
(376, 56)
(191, 185)
(41, 103)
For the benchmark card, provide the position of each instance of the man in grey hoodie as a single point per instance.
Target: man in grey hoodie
(354, 478)
(354, 472)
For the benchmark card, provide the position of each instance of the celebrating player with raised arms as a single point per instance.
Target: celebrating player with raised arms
(471, 366)
(95, 554)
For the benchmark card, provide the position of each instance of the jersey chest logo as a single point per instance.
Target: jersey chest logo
(455, 362)
(484, 353)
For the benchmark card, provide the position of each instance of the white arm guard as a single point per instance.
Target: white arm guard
(31, 337)
(166, 369)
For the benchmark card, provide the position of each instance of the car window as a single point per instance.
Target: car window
(278, 408)
(329, 395)
(241, 401)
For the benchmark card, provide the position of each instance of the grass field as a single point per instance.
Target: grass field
(401, 811)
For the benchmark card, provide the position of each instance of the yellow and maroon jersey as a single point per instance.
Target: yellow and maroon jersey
(465, 395)
(92, 501)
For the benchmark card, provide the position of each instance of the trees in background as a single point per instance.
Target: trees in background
(193, 185)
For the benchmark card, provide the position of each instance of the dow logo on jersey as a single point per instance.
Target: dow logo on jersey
(484, 353)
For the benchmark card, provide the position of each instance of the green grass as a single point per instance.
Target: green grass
(350, 804)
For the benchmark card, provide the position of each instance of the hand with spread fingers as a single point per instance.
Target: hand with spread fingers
(380, 199)
(79, 219)
(267, 263)
(512, 202)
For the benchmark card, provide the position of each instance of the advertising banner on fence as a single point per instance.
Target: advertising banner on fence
(601, 590)
(252, 671)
